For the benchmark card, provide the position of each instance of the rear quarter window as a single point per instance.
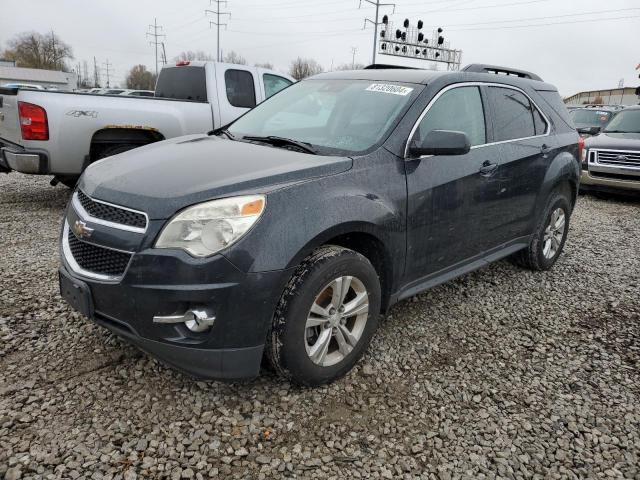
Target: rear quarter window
(241, 91)
(553, 100)
(183, 83)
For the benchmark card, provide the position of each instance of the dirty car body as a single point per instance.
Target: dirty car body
(417, 220)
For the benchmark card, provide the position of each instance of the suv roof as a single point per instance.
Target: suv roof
(470, 73)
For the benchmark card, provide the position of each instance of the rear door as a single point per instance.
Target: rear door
(238, 91)
(522, 131)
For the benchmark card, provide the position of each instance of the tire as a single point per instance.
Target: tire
(539, 255)
(114, 150)
(293, 347)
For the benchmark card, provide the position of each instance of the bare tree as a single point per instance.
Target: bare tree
(265, 65)
(191, 55)
(35, 50)
(304, 67)
(139, 78)
(233, 57)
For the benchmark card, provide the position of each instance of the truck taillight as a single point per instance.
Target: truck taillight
(33, 121)
(582, 153)
(183, 63)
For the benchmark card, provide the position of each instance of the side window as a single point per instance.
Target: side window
(513, 114)
(241, 91)
(274, 83)
(540, 122)
(458, 109)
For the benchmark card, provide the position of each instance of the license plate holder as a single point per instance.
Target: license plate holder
(76, 293)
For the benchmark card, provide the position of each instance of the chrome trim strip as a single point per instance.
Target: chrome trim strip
(477, 84)
(87, 216)
(68, 256)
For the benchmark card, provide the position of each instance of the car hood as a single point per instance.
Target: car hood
(164, 177)
(614, 141)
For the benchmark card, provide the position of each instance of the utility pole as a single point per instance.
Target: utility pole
(155, 36)
(106, 66)
(376, 4)
(96, 74)
(164, 55)
(353, 57)
(217, 12)
(53, 50)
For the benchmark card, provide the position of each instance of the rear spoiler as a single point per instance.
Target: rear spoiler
(494, 69)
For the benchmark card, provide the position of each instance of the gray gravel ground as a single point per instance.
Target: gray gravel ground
(502, 373)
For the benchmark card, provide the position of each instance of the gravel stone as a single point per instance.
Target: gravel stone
(503, 373)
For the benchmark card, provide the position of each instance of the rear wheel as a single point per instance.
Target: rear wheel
(326, 317)
(550, 235)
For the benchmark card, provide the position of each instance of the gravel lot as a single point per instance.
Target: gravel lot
(502, 373)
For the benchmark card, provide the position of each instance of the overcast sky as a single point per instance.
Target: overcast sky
(575, 44)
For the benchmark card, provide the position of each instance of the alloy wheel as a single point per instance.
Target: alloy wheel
(554, 233)
(336, 320)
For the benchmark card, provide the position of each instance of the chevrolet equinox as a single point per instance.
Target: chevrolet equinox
(286, 233)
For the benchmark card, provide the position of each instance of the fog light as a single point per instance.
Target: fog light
(196, 319)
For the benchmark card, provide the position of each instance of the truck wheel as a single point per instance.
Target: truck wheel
(326, 317)
(114, 150)
(549, 236)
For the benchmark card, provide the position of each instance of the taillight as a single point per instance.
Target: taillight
(33, 121)
(182, 63)
(582, 152)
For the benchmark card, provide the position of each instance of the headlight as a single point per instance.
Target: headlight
(583, 155)
(207, 228)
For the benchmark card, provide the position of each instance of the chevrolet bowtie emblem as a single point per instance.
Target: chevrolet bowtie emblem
(81, 230)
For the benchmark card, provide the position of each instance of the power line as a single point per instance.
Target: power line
(106, 66)
(217, 12)
(377, 22)
(156, 36)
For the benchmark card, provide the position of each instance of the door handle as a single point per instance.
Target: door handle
(487, 169)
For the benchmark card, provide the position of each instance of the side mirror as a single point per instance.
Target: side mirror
(589, 130)
(441, 142)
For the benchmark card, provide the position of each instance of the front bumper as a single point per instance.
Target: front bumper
(243, 305)
(589, 182)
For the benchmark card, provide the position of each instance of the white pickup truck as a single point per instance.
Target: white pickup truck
(61, 133)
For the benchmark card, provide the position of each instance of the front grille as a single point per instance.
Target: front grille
(111, 213)
(96, 259)
(620, 159)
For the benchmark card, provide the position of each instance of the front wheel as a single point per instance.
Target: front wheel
(326, 317)
(550, 235)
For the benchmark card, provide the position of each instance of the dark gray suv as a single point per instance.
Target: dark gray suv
(288, 232)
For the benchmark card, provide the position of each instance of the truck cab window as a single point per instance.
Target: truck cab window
(241, 90)
(274, 83)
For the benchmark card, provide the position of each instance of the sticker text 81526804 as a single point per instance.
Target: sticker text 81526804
(388, 88)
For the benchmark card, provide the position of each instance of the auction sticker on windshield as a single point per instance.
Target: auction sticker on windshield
(387, 88)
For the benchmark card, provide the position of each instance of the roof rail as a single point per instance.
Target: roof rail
(381, 66)
(482, 68)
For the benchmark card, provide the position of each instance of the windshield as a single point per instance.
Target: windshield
(334, 116)
(590, 118)
(627, 121)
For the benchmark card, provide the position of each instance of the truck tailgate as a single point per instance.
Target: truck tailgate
(9, 118)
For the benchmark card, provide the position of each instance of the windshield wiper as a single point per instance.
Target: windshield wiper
(282, 141)
(222, 131)
(618, 131)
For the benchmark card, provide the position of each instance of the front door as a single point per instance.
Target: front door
(451, 197)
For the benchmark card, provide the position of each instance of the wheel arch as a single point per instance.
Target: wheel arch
(364, 239)
(114, 135)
